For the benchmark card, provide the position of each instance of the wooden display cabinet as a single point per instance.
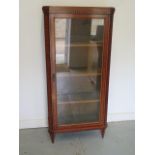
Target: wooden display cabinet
(78, 49)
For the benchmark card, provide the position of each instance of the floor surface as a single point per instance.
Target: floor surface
(119, 139)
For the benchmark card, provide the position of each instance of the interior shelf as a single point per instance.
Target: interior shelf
(81, 97)
(77, 74)
(80, 44)
(64, 71)
(80, 101)
(75, 113)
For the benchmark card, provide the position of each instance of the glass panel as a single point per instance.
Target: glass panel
(78, 69)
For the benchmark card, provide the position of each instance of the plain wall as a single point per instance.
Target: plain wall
(33, 94)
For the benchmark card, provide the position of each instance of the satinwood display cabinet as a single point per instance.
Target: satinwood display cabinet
(78, 49)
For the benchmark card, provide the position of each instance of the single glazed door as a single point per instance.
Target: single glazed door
(78, 56)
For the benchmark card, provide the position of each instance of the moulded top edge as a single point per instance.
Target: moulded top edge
(77, 10)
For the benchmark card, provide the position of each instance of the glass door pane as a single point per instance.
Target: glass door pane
(78, 69)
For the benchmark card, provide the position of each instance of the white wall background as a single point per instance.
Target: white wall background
(33, 95)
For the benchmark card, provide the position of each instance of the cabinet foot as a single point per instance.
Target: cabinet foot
(102, 132)
(52, 135)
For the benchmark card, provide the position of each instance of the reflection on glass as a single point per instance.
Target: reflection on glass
(78, 69)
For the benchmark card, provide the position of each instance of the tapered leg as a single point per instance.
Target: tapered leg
(52, 135)
(102, 132)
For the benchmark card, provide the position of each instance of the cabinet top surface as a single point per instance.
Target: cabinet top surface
(77, 10)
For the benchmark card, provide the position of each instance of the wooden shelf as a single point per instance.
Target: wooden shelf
(91, 44)
(78, 102)
(78, 98)
(68, 74)
(84, 45)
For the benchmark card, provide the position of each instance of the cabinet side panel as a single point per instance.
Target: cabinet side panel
(53, 69)
(109, 23)
(48, 69)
